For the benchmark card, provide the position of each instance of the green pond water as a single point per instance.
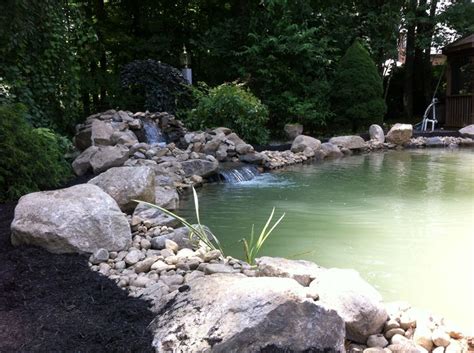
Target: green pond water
(403, 219)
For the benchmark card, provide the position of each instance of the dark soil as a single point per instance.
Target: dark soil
(54, 303)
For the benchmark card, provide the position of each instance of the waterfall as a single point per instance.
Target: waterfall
(152, 132)
(239, 174)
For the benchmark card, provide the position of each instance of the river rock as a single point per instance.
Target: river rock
(126, 184)
(331, 151)
(82, 218)
(356, 301)
(467, 131)
(133, 257)
(253, 158)
(107, 157)
(377, 340)
(440, 338)
(376, 133)
(435, 141)
(300, 270)
(101, 134)
(351, 142)
(200, 167)
(244, 314)
(100, 255)
(166, 197)
(400, 134)
(82, 164)
(293, 130)
(302, 141)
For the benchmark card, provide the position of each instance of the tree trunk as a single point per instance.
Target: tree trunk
(409, 63)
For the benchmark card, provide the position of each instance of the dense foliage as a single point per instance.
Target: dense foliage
(232, 106)
(357, 91)
(32, 158)
(154, 86)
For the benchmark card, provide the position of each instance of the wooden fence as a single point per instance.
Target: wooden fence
(460, 110)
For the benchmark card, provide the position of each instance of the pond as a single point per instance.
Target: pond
(403, 219)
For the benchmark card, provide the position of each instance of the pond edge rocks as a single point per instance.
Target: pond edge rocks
(203, 300)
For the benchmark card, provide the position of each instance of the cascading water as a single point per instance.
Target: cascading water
(237, 175)
(152, 132)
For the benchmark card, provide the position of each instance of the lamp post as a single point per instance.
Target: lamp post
(185, 59)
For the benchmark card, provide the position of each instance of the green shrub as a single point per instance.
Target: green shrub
(357, 91)
(32, 159)
(232, 106)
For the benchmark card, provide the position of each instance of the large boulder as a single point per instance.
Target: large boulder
(300, 270)
(101, 133)
(400, 134)
(234, 313)
(126, 184)
(376, 133)
(293, 130)
(351, 142)
(330, 150)
(82, 164)
(107, 157)
(82, 139)
(82, 218)
(253, 158)
(127, 137)
(467, 131)
(356, 301)
(302, 142)
(201, 167)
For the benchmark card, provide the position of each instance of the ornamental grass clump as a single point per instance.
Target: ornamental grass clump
(201, 234)
(196, 231)
(253, 245)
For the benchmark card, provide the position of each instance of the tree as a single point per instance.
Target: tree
(357, 91)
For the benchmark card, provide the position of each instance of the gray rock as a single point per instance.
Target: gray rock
(357, 302)
(212, 255)
(351, 142)
(82, 218)
(223, 130)
(467, 131)
(82, 164)
(82, 139)
(300, 270)
(331, 151)
(253, 158)
(172, 280)
(133, 257)
(400, 134)
(302, 141)
(126, 184)
(376, 133)
(101, 134)
(124, 138)
(153, 217)
(218, 268)
(245, 315)
(434, 142)
(244, 148)
(166, 197)
(199, 167)
(145, 265)
(293, 130)
(377, 340)
(107, 157)
(235, 139)
(100, 255)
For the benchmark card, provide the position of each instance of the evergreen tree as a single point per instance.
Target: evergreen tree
(357, 91)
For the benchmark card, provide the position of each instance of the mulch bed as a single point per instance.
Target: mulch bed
(54, 303)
